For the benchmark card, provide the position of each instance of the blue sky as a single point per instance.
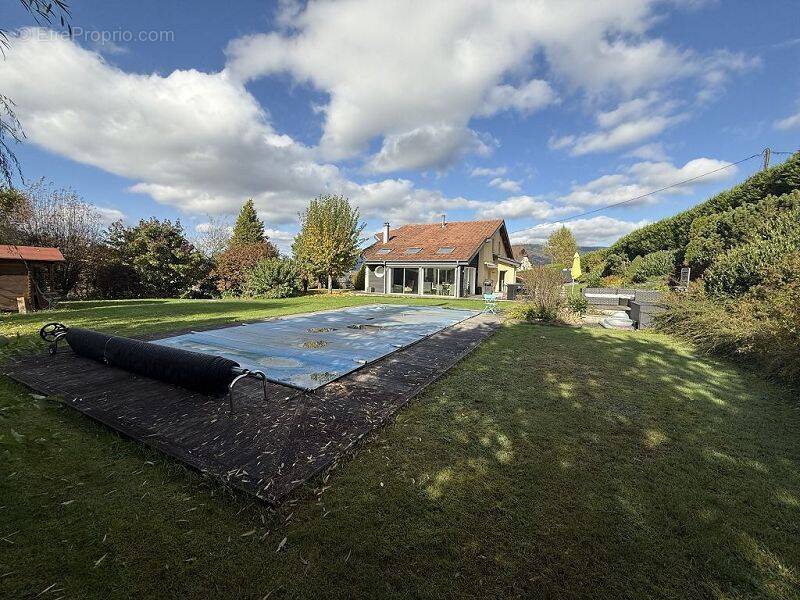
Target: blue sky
(529, 111)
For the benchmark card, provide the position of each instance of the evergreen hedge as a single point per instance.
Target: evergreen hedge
(674, 233)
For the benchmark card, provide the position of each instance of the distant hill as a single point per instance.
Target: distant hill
(537, 255)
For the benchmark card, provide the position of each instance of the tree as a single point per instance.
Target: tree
(249, 229)
(234, 265)
(166, 264)
(329, 237)
(14, 209)
(214, 236)
(561, 246)
(60, 218)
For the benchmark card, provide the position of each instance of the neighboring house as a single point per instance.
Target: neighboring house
(440, 259)
(22, 268)
(520, 254)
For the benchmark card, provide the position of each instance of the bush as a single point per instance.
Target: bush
(748, 265)
(359, 281)
(761, 327)
(593, 261)
(273, 278)
(616, 264)
(234, 265)
(577, 303)
(655, 264)
(592, 279)
(612, 281)
(524, 311)
(541, 292)
(713, 235)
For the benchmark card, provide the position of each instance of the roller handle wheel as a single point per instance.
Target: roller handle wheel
(51, 333)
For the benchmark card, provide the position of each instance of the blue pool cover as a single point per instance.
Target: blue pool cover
(310, 350)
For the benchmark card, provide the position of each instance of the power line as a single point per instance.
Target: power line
(658, 191)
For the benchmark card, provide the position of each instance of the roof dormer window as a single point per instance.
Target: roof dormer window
(412, 251)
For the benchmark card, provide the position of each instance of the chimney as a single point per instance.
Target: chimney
(444, 220)
(386, 233)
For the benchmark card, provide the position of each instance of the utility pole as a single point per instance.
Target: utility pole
(767, 154)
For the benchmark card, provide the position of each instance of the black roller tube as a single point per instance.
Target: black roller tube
(194, 370)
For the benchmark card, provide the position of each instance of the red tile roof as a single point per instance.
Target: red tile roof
(31, 253)
(465, 237)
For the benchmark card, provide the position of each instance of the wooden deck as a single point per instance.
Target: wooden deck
(265, 449)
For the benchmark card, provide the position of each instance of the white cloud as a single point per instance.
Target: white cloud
(110, 215)
(653, 151)
(508, 185)
(642, 178)
(391, 69)
(629, 123)
(790, 122)
(525, 99)
(398, 201)
(521, 207)
(196, 141)
(434, 146)
(597, 231)
(488, 171)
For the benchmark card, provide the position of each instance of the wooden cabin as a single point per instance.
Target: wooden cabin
(24, 272)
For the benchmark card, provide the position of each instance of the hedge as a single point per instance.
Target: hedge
(673, 233)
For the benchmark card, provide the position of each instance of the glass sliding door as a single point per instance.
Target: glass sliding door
(405, 281)
(411, 283)
(447, 282)
(397, 280)
(429, 284)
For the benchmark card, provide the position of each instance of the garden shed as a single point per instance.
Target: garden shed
(23, 272)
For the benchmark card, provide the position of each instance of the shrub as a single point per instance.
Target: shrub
(616, 264)
(273, 278)
(359, 280)
(593, 261)
(655, 264)
(746, 266)
(524, 311)
(235, 263)
(592, 279)
(761, 327)
(542, 291)
(577, 303)
(713, 235)
(612, 281)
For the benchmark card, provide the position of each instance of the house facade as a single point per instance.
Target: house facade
(440, 259)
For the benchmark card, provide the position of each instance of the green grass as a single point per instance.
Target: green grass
(553, 462)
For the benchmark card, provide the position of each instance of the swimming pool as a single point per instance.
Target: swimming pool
(309, 350)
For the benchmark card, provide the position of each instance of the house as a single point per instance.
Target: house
(22, 270)
(440, 259)
(520, 254)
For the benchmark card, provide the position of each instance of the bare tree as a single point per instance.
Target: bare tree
(59, 217)
(214, 235)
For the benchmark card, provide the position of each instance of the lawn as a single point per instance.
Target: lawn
(552, 462)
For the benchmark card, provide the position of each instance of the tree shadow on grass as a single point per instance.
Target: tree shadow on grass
(576, 462)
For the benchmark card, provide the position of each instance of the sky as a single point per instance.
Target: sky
(533, 111)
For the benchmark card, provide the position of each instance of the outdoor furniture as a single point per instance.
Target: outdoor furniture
(490, 304)
(643, 312)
